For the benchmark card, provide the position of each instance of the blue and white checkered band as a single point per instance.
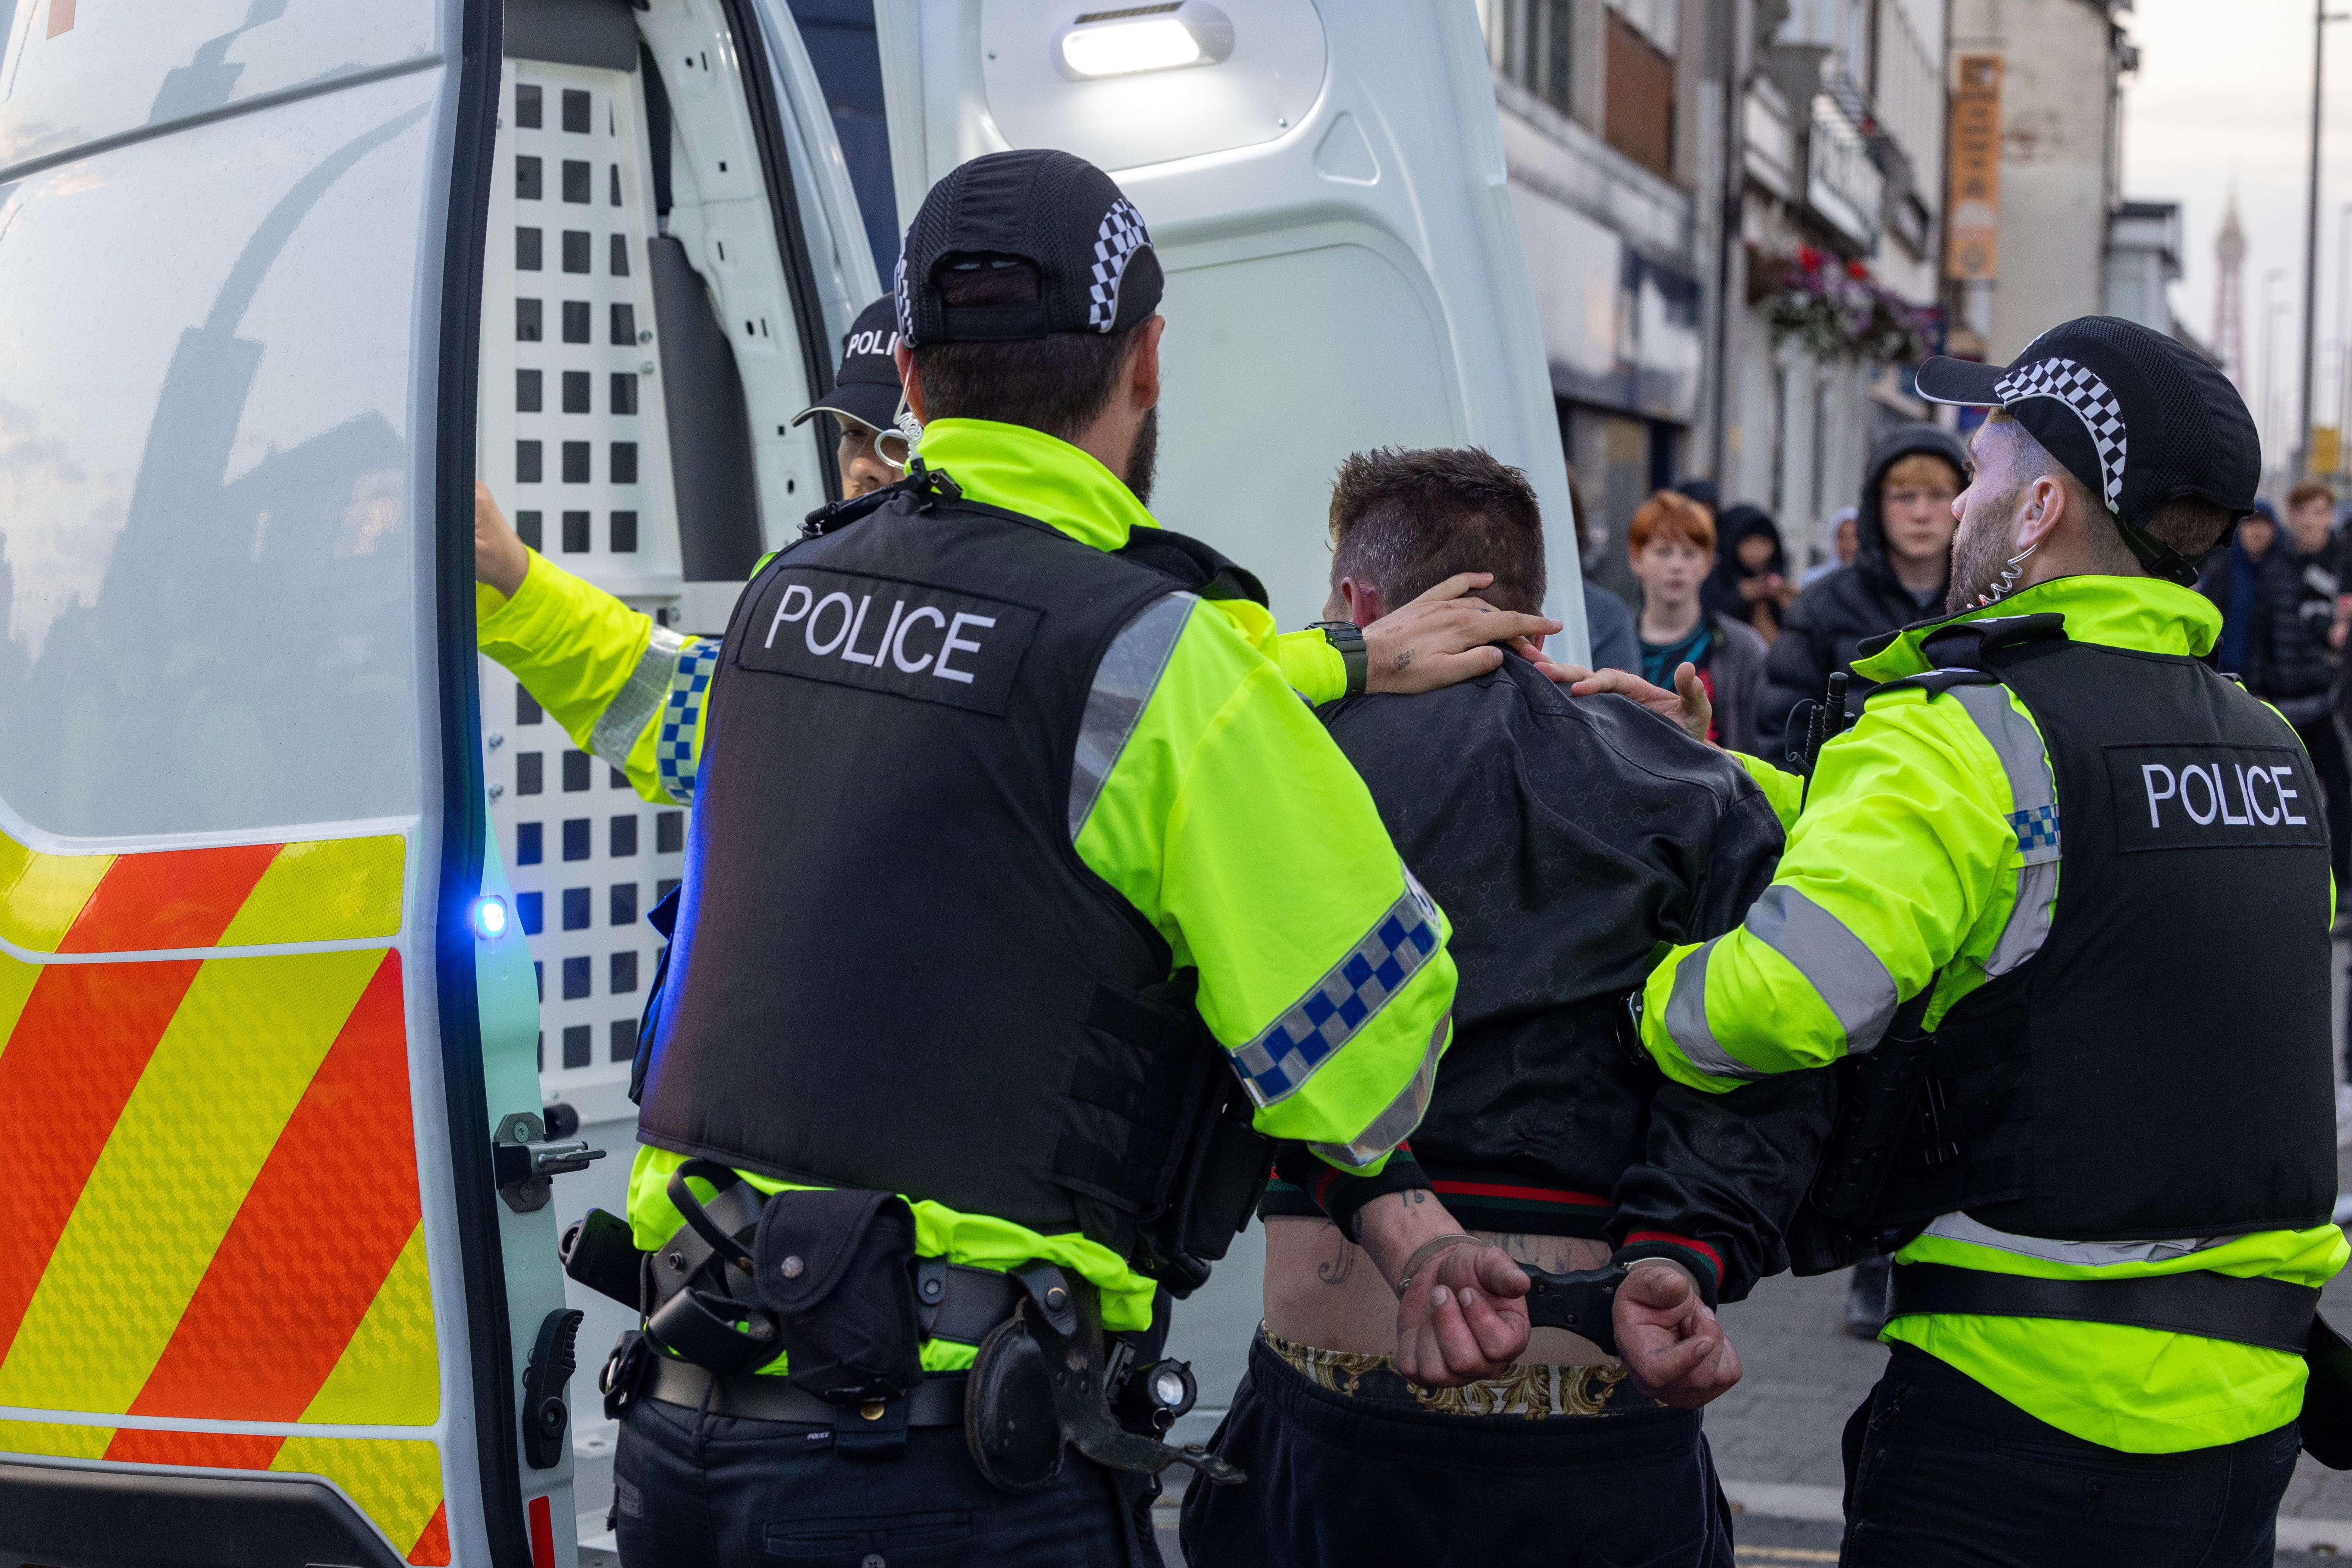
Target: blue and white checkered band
(904, 306)
(2081, 391)
(2036, 829)
(1278, 1062)
(1121, 236)
(678, 760)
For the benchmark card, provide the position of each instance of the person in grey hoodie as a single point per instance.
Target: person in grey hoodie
(1903, 556)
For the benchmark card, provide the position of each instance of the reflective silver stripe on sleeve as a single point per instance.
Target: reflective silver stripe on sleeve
(1687, 1021)
(1350, 995)
(1834, 962)
(2089, 1254)
(1124, 681)
(1394, 1124)
(2033, 792)
(640, 698)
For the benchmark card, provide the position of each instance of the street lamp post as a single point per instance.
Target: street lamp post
(2320, 18)
(2343, 339)
(2265, 407)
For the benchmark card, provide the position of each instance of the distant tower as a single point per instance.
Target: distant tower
(2228, 298)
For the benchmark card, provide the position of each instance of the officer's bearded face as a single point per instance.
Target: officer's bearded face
(1143, 462)
(1990, 510)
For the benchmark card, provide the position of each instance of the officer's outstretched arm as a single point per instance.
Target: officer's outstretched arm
(623, 689)
(1904, 863)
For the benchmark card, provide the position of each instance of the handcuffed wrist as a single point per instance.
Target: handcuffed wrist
(1429, 1252)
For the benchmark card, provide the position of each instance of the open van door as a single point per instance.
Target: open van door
(1325, 187)
(281, 1285)
(261, 1302)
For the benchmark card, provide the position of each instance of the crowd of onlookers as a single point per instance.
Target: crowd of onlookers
(1717, 589)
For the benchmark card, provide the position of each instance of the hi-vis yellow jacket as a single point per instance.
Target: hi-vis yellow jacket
(1909, 867)
(1228, 818)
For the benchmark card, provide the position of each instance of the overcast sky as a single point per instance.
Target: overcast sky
(2223, 96)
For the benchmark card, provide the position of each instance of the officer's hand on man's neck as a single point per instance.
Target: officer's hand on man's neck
(1448, 635)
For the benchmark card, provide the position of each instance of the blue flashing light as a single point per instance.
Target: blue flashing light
(490, 915)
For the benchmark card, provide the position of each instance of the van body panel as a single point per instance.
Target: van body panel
(1329, 204)
(228, 933)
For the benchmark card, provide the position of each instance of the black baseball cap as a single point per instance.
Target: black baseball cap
(866, 387)
(2138, 417)
(1095, 267)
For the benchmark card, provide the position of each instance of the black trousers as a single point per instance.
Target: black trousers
(1941, 1471)
(692, 1490)
(1334, 1482)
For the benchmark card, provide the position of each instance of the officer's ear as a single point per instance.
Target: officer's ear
(2048, 505)
(1142, 379)
(1362, 601)
(911, 379)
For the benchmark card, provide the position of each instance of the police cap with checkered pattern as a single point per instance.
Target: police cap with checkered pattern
(2140, 418)
(1097, 271)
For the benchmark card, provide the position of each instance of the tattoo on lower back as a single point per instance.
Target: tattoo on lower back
(1335, 1273)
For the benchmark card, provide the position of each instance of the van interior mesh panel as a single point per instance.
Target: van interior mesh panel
(573, 444)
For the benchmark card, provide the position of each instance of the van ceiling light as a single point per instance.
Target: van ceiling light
(1144, 38)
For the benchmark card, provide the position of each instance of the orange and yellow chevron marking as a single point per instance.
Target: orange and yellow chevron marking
(332, 889)
(395, 1481)
(212, 1173)
(245, 1242)
(352, 1120)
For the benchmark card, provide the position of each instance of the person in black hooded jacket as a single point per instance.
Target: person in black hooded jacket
(1903, 556)
(1565, 837)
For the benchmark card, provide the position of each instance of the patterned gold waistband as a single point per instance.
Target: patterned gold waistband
(1532, 1392)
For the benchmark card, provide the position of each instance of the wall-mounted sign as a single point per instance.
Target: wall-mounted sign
(1973, 206)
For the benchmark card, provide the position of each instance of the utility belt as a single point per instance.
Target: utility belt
(830, 1278)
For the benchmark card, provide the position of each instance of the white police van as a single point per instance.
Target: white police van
(284, 1080)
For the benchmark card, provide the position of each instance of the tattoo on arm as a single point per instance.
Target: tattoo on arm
(1404, 659)
(1413, 1195)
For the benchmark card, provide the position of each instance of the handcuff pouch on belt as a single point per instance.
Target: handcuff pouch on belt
(836, 1266)
(1040, 1383)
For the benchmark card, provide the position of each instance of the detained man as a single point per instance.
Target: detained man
(1571, 839)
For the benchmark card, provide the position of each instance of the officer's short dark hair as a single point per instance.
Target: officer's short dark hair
(1056, 383)
(1405, 521)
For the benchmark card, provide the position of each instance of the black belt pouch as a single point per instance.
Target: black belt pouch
(837, 1269)
(2326, 1419)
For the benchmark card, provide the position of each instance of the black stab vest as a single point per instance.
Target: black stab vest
(890, 969)
(2160, 1068)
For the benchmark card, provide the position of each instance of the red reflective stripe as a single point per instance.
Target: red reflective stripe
(76, 1053)
(542, 1533)
(1683, 1241)
(1502, 1190)
(314, 1239)
(214, 1450)
(431, 1548)
(171, 898)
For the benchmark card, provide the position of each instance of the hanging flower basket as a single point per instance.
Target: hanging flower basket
(1840, 312)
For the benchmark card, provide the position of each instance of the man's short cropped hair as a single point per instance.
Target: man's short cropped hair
(1405, 521)
(2310, 491)
(1056, 383)
(1670, 515)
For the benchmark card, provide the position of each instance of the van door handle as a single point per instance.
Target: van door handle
(526, 1167)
